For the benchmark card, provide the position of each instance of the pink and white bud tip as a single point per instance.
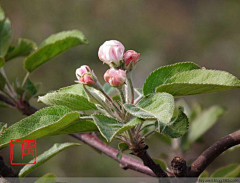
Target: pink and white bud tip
(84, 75)
(111, 52)
(115, 77)
(131, 58)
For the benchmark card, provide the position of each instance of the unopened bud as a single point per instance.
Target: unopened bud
(84, 75)
(115, 77)
(111, 53)
(130, 58)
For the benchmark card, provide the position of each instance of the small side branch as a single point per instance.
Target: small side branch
(126, 162)
(148, 161)
(5, 170)
(92, 140)
(209, 155)
(180, 168)
(6, 100)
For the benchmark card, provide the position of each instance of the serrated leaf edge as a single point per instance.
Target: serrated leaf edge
(40, 48)
(70, 112)
(40, 98)
(181, 73)
(171, 65)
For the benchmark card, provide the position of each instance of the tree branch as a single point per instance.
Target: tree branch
(6, 100)
(206, 158)
(5, 170)
(92, 140)
(126, 162)
(142, 153)
(197, 167)
(209, 155)
(26, 108)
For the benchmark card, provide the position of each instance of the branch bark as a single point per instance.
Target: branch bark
(206, 158)
(209, 155)
(197, 167)
(92, 140)
(126, 162)
(6, 100)
(142, 153)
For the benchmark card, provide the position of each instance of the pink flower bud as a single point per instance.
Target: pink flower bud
(111, 53)
(131, 57)
(115, 77)
(84, 75)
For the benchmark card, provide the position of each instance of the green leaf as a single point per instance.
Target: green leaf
(57, 148)
(123, 146)
(227, 171)
(109, 127)
(47, 178)
(2, 82)
(2, 104)
(111, 91)
(2, 61)
(164, 139)
(5, 36)
(204, 174)
(73, 101)
(24, 48)
(162, 74)
(198, 82)
(119, 155)
(74, 89)
(3, 127)
(161, 163)
(2, 14)
(177, 127)
(132, 123)
(160, 105)
(42, 123)
(232, 148)
(29, 86)
(138, 112)
(95, 96)
(53, 46)
(79, 126)
(204, 122)
(196, 111)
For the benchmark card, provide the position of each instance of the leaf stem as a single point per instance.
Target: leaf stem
(137, 100)
(138, 128)
(85, 118)
(130, 84)
(100, 102)
(122, 97)
(148, 134)
(9, 86)
(99, 87)
(25, 79)
(131, 137)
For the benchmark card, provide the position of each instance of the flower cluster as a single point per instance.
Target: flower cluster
(111, 53)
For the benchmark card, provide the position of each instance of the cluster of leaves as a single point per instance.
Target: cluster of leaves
(72, 110)
(44, 122)
(35, 55)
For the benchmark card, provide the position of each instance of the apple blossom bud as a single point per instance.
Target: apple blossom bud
(115, 77)
(84, 75)
(130, 58)
(111, 53)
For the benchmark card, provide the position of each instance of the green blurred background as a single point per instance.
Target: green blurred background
(163, 31)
